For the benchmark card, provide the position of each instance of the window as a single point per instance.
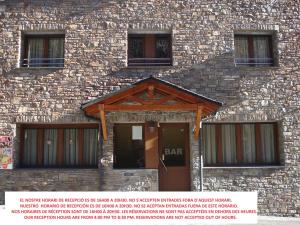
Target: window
(59, 145)
(253, 50)
(43, 50)
(129, 146)
(149, 50)
(240, 144)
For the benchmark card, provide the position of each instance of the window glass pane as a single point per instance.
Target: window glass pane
(267, 143)
(56, 52)
(249, 143)
(70, 147)
(30, 147)
(35, 52)
(261, 50)
(50, 147)
(137, 132)
(128, 153)
(229, 144)
(173, 146)
(162, 48)
(209, 143)
(90, 147)
(136, 48)
(241, 49)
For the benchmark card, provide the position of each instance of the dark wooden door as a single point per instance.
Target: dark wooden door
(174, 153)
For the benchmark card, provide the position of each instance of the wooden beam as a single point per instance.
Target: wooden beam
(103, 122)
(117, 97)
(149, 87)
(135, 108)
(185, 96)
(164, 99)
(150, 91)
(136, 99)
(182, 107)
(179, 94)
(197, 122)
(132, 91)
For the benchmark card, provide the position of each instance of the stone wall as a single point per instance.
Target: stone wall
(49, 180)
(203, 61)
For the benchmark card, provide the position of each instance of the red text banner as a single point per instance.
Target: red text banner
(130, 208)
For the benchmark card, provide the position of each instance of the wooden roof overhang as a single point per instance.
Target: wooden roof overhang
(151, 94)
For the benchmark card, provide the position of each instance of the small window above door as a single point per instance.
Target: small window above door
(149, 50)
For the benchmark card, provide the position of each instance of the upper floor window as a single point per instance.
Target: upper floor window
(149, 50)
(43, 50)
(240, 144)
(253, 50)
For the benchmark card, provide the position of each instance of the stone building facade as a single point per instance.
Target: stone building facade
(203, 54)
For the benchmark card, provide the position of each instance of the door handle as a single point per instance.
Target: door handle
(162, 162)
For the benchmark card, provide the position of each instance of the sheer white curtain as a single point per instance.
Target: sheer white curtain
(241, 49)
(56, 52)
(50, 146)
(30, 147)
(229, 144)
(209, 143)
(267, 143)
(35, 52)
(90, 146)
(70, 147)
(261, 49)
(248, 136)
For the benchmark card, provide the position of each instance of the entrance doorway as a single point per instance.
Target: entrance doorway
(174, 157)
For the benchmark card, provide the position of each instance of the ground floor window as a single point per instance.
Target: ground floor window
(129, 146)
(73, 145)
(240, 144)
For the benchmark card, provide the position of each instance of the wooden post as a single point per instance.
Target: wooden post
(103, 122)
(197, 123)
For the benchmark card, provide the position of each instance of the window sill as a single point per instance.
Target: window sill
(132, 169)
(56, 168)
(148, 67)
(243, 167)
(39, 68)
(251, 68)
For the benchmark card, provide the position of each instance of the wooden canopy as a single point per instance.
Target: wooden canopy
(151, 94)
